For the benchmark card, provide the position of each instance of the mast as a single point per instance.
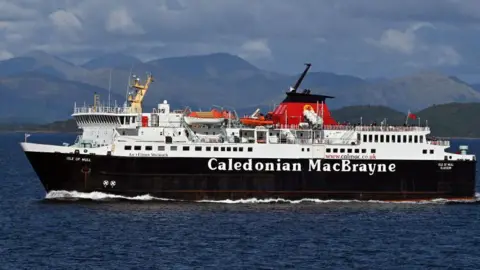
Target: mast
(299, 81)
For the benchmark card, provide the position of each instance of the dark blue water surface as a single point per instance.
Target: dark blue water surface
(39, 233)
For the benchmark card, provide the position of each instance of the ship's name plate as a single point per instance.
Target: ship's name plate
(147, 155)
(313, 165)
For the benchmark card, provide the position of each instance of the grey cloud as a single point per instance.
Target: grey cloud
(365, 37)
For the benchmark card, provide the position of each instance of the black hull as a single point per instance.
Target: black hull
(192, 179)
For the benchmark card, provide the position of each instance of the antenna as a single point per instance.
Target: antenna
(128, 84)
(109, 87)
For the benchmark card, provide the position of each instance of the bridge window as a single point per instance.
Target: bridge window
(399, 138)
(404, 138)
(364, 137)
(410, 138)
(415, 139)
(387, 138)
(376, 138)
(393, 138)
(421, 139)
(370, 138)
(381, 138)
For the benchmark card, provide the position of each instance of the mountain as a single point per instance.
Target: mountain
(111, 61)
(37, 97)
(475, 87)
(201, 81)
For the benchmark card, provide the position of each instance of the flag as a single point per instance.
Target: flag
(412, 116)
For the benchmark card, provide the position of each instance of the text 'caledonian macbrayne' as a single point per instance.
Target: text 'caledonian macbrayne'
(313, 165)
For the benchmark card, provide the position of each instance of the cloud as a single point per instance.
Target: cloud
(255, 49)
(120, 21)
(329, 33)
(405, 42)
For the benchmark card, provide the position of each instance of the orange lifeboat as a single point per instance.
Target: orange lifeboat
(257, 120)
(212, 117)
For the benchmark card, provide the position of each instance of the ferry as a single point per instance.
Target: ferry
(297, 151)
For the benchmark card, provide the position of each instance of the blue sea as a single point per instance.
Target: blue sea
(106, 232)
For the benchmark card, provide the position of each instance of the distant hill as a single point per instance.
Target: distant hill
(110, 61)
(201, 81)
(446, 120)
(368, 115)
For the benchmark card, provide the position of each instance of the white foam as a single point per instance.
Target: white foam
(100, 196)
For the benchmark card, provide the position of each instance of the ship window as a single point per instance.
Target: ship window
(335, 150)
(370, 138)
(415, 139)
(148, 148)
(431, 151)
(399, 138)
(364, 137)
(179, 133)
(186, 148)
(381, 138)
(303, 149)
(137, 147)
(198, 148)
(424, 151)
(373, 151)
(376, 138)
(133, 119)
(357, 151)
(173, 148)
(234, 149)
(308, 149)
(328, 150)
(240, 149)
(409, 138)
(349, 150)
(128, 147)
(208, 148)
(229, 149)
(393, 138)
(387, 138)
(215, 148)
(222, 149)
(421, 139)
(364, 151)
(250, 149)
(161, 148)
(404, 138)
(342, 150)
(127, 120)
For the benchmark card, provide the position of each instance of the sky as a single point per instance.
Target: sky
(367, 38)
